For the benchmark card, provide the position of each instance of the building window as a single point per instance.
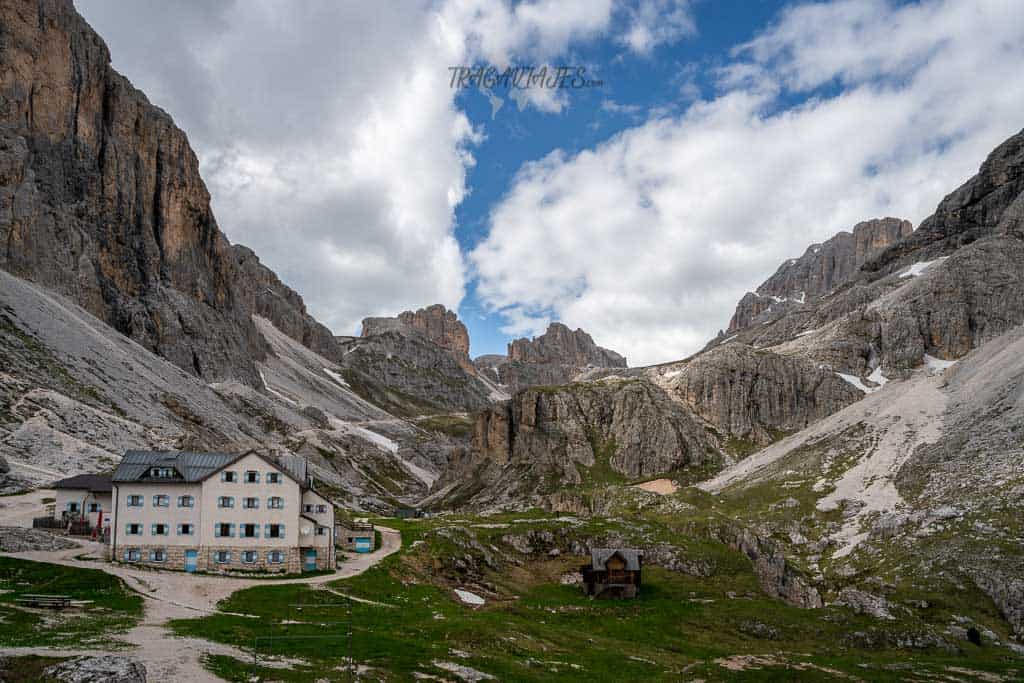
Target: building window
(222, 556)
(229, 477)
(223, 530)
(250, 503)
(225, 502)
(321, 531)
(72, 507)
(250, 531)
(307, 508)
(160, 529)
(252, 477)
(275, 557)
(158, 555)
(274, 531)
(186, 502)
(134, 501)
(94, 507)
(250, 556)
(162, 473)
(275, 503)
(273, 478)
(186, 529)
(161, 501)
(132, 555)
(321, 509)
(133, 529)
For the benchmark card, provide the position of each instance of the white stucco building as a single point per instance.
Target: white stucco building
(218, 512)
(86, 496)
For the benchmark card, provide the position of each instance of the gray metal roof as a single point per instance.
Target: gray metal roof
(600, 556)
(191, 466)
(99, 483)
(294, 465)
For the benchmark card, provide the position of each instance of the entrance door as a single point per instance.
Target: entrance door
(310, 563)
(363, 545)
(190, 560)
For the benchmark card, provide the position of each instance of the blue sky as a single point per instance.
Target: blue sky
(662, 80)
(727, 137)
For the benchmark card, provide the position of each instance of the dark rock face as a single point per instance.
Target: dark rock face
(750, 393)
(822, 268)
(436, 323)
(259, 290)
(101, 199)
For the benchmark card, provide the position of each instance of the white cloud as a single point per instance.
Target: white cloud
(649, 239)
(656, 22)
(329, 137)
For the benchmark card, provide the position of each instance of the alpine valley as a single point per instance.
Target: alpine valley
(833, 488)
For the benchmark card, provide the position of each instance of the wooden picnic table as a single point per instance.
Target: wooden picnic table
(50, 601)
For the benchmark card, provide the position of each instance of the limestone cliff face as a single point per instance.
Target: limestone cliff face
(558, 356)
(101, 199)
(822, 268)
(989, 204)
(408, 374)
(952, 285)
(581, 434)
(259, 290)
(439, 325)
(753, 394)
(560, 345)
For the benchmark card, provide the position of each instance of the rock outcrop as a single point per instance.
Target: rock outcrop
(822, 268)
(585, 434)
(989, 204)
(408, 374)
(260, 291)
(98, 669)
(558, 356)
(436, 323)
(753, 394)
(101, 199)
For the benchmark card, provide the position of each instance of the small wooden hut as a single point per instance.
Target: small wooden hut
(613, 573)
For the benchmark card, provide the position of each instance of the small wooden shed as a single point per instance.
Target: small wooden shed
(613, 573)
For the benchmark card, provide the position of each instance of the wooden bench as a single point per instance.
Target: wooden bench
(49, 601)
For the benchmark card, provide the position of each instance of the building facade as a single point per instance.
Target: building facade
(85, 496)
(613, 573)
(219, 512)
(356, 537)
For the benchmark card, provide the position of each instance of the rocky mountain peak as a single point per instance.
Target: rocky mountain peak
(821, 268)
(102, 200)
(436, 323)
(560, 345)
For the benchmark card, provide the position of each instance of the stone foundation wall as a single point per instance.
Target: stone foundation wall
(206, 558)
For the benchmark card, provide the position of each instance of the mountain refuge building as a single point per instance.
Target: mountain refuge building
(613, 573)
(218, 512)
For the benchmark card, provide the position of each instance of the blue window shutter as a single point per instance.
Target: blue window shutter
(223, 476)
(127, 553)
(266, 529)
(232, 530)
(216, 530)
(281, 530)
(152, 529)
(256, 530)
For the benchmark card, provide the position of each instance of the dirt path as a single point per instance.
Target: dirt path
(169, 595)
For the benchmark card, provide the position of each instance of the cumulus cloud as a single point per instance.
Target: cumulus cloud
(330, 138)
(649, 239)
